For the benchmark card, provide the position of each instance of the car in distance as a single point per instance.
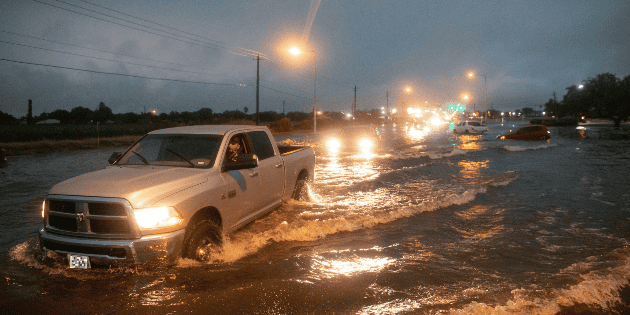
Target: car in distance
(531, 132)
(174, 193)
(468, 127)
(364, 139)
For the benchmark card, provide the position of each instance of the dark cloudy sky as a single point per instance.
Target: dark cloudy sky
(186, 55)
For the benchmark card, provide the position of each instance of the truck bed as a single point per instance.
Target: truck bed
(288, 149)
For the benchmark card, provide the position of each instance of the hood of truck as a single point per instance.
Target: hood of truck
(141, 185)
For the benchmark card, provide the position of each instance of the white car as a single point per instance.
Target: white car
(468, 127)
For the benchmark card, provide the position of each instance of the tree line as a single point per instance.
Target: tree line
(103, 114)
(604, 96)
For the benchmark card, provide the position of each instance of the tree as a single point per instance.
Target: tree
(245, 109)
(204, 114)
(103, 113)
(7, 119)
(81, 115)
(552, 107)
(604, 96)
(62, 115)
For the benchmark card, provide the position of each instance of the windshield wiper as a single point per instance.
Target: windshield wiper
(141, 157)
(181, 157)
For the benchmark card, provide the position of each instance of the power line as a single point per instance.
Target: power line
(323, 79)
(193, 41)
(94, 49)
(121, 74)
(246, 53)
(106, 59)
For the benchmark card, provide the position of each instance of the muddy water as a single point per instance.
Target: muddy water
(434, 223)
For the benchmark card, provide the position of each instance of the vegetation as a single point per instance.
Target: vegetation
(604, 96)
(82, 128)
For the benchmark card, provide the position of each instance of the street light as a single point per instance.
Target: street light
(485, 85)
(296, 51)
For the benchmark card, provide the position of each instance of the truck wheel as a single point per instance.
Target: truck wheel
(466, 131)
(301, 190)
(203, 239)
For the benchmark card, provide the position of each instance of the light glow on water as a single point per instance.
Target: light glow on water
(350, 266)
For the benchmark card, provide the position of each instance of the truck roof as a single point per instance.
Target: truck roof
(206, 129)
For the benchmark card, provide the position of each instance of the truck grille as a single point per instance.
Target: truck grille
(89, 217)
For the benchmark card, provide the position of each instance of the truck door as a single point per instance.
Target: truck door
(271, 168)
(241, 185)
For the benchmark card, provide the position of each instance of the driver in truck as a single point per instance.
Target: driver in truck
(234, 149)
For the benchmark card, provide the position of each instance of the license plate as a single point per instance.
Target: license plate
(79, 262)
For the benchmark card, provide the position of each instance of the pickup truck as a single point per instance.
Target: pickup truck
(175, 193)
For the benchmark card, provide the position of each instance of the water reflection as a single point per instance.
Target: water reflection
(480, 222)
(472, 169)
(349, 266)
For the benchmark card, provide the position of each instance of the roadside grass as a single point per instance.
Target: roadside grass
(48, 146)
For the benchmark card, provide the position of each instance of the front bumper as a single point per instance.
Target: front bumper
(160, 248)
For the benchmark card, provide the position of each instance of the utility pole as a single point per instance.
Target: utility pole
(282, 107)
(257, 85)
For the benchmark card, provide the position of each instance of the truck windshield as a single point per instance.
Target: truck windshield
(177, 150)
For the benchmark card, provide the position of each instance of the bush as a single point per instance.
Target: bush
(282, 125)
(240, 122)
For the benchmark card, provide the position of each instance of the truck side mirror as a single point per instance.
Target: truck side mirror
(114, 157)
(243, 161)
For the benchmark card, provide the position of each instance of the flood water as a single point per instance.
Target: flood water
(436, 223)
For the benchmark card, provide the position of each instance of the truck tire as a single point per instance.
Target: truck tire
(300, 192)
(466, 131)
(203, 238)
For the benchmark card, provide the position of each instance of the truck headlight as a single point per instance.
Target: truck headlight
(158, 217)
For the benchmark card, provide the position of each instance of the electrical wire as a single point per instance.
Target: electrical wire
(106, 59)
(178, 38)
(247, 53)
(122, 74)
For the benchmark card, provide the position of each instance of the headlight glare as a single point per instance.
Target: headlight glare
(366, 143)
(157, 217)
(333, 144)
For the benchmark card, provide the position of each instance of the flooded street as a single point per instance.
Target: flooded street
(434, 223)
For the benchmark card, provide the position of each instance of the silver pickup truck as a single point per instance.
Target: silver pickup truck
(174, 193)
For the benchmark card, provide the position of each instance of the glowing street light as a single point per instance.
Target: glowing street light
(296, 51)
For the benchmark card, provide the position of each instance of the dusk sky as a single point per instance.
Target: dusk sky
(186, 55)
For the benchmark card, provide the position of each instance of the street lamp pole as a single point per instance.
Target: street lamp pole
(257, 86)
(295, 50)
(485, 92)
